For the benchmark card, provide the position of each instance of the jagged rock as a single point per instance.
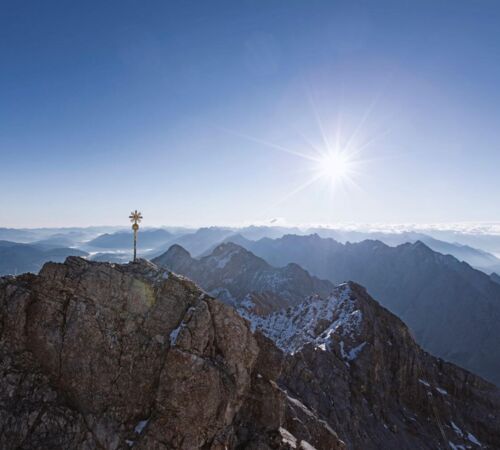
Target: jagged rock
(453, 309)
(97, 355)
(357, 366)
(379, 390)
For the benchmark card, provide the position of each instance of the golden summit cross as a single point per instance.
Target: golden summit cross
(135, 217)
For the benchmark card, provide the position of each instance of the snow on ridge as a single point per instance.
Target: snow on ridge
(222, 260)
(274, 280)
(247, 303)
(314, 321)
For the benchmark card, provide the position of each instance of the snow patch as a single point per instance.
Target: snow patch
(140, 426)
(442, 391)
(306, 446)
(223, 260)
(314, 321)
(175, 334)
(456, 429)
(288, 438)
(247, 302)
(353, 353)
(425, 383)
(473, 439)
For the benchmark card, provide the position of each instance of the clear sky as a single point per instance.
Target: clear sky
(192, 112)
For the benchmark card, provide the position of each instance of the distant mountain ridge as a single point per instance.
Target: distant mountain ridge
(124, 239)
(235, 275)
(202, 239)
(495, 277)
(453, 309)
(18, 258)
(477, 258)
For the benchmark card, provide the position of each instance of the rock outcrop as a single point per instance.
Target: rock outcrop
(96, 355)
(358, 367)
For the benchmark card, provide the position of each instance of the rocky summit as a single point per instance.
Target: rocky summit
(97, 355)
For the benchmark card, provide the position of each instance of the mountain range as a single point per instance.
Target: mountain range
(477, 258)
(123, 239)
(99, 355)
(115, 243)
(452, 309)
(234, 275)
(18, 258)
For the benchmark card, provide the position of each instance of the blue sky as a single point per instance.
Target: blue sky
(178, 109)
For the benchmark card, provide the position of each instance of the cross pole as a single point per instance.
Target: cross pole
(135, 217)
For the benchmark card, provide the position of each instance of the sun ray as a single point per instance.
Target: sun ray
(318, 120)
(336, 167)
(295, 191)
(363, 120)
(267, 144)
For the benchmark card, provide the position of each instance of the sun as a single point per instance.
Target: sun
(334, 166)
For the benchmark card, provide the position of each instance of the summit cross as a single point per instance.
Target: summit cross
(135, 217)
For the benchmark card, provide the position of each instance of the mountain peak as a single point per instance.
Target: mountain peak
(178, 251)
(411, 280)
(113, 356)
(228, 247)
(231, 273)
(418, 245)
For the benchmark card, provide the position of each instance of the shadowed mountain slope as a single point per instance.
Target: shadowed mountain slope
(477, 258)
(453, 309)
(234, 274)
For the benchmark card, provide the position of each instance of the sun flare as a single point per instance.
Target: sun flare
(335, 167)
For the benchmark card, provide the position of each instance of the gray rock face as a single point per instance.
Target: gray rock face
(362, 372)
(236, 276)
(96, 355)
